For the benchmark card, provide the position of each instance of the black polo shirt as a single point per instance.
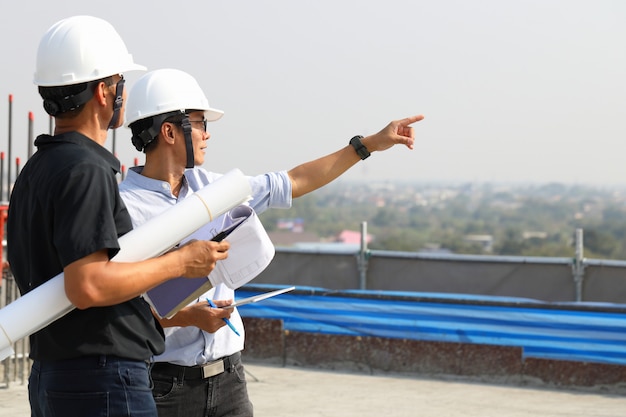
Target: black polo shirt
(65, 205)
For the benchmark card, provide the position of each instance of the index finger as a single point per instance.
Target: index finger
(411, 119)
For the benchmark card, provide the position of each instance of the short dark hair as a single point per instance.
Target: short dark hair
(139, 127)
(144, 125)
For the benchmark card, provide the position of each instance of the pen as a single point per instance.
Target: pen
(225, 320)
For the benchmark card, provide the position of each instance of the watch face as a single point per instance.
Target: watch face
(358, 146)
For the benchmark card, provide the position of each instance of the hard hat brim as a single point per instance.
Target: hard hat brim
(212, 115)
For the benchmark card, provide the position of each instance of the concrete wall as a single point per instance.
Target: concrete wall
(267, 341)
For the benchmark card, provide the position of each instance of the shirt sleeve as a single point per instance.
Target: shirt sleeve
(84, 213)
(271, 190)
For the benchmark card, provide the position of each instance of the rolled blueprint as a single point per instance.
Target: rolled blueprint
(38, 308)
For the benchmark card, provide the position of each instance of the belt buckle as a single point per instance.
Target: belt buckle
(212, 368)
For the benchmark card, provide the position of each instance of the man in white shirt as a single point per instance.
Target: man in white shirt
(200, 373)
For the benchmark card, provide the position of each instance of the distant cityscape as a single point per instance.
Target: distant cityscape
(503, 219)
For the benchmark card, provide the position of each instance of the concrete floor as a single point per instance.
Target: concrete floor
(291, 391)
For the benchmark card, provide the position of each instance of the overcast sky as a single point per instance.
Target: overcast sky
(524, 91)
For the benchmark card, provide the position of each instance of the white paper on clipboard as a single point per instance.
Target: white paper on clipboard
(259, 297)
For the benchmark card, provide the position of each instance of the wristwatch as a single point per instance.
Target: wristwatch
(358, 146)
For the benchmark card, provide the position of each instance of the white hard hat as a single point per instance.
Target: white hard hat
(80, 49)
(164, 91)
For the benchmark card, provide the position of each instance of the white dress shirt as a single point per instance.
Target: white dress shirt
(145, 198)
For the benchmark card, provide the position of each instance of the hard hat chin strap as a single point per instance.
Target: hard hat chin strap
(186, 124)
(117, 104)
(142, 139)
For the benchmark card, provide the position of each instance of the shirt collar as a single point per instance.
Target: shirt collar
(134, 177)
(81, 140)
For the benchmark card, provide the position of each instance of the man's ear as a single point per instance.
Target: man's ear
(100, 93)
(167, 131)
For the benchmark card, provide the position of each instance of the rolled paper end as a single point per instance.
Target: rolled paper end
(6, 346)
(6, 352)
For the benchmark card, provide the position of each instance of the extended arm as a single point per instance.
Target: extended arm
(314, 174)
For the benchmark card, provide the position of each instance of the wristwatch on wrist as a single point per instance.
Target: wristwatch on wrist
(358, 146)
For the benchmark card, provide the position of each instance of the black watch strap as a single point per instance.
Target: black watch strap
(358, 146)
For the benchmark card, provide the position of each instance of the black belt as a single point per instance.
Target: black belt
(206, 370)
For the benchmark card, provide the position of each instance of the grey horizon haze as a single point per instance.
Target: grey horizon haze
(519, 91)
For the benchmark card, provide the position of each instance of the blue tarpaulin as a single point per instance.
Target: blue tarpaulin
(586, 332)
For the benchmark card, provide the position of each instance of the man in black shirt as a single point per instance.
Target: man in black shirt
(66, 215)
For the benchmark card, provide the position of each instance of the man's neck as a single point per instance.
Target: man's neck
(87, 122)
(164, 169)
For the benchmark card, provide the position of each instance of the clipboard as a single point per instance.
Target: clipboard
(259, 297)
(250, 252)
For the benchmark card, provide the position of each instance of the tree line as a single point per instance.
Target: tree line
(524, 220)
